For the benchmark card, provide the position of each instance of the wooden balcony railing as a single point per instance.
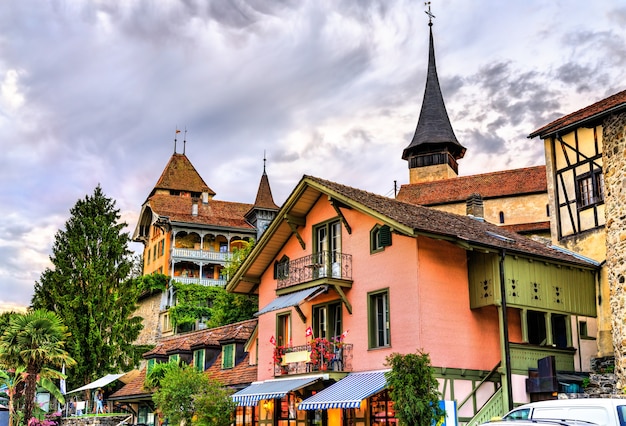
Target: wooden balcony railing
(325, 264)
(217, 256)
(298, 360)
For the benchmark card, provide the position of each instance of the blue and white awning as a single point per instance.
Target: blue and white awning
(270, 389)
(292, 299)
(348, 392)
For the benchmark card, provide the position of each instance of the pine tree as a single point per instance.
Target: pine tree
(89, 287)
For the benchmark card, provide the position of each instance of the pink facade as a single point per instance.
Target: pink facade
(427, 284)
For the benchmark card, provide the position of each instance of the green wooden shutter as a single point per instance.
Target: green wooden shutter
(385, 236)
(228, 356)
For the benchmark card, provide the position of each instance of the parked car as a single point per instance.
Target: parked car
(538, 422)
(602, 411)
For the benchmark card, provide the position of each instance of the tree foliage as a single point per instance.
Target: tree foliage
(188, 395)
(414, 389)
(32, 344)
(89, 287)
(238, 256)
(219, 307)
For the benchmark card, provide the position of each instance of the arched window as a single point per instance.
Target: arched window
(501, 217)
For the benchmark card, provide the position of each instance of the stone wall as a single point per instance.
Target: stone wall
(96, 420)
(149, 308)
(614, 159)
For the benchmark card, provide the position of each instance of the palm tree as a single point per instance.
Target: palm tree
(36, 341)
(12, 380)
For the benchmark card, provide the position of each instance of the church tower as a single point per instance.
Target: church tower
(433, 153)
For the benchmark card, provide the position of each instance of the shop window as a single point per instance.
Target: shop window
(378, 319)
(247, 416)
(382, 409)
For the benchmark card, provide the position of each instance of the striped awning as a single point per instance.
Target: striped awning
(292, 299)
(270, 389)
(348, 392)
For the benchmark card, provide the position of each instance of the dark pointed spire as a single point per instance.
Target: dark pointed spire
(434, 130)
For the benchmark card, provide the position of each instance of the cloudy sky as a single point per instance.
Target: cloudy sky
(91, 92)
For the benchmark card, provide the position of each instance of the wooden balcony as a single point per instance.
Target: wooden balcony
(191, 254)
(315, 266)
(297, 360)
(202, 281)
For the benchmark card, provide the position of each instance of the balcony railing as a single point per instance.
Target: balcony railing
(218, 256)
(325, 264)
(202, 281)
(298, 360)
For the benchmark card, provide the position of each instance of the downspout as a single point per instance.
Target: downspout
(506, 356)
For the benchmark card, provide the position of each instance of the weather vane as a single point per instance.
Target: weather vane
(430, 15)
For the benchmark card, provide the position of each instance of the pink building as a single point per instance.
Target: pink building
(383, 276)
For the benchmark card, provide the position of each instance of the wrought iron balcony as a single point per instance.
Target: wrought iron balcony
(325, 264)
(298, 360)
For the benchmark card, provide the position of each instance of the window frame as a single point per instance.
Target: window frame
(380, 238)
(283, 328)
(594, 192)
(373, 319)
(328, 249)
(330, 310)
(552, 337)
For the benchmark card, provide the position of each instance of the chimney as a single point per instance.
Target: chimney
(194, 207)
(205, 197)
(474, 207)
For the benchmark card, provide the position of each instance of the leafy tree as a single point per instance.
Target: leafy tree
(414, 389)
(160, 369)
(89, 287)
(195, 301)
(148, 284)
(5, 319)
(238, 256)
(186, 393)
(32, 344)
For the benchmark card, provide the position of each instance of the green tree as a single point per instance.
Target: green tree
(238, 256)
(414, 389)
(89, 287)
(219, 307)
(5, 319)
(35, 342)
(185, 393)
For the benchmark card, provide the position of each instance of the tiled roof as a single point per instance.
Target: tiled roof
(180, 175)
(446, 225)
(215, 212)
(132, 388)
(264, 197)
(591, 112)
(208, 337)
(506, 183)
(241, 373)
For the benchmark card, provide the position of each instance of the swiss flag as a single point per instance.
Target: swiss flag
(309, 331)
(273, 340)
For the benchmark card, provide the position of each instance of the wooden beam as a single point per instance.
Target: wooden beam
(300, 313)
(293, 223)
(339, 290)
(336, 205)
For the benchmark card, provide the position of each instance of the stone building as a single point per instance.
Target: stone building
(586, 168)
(190, 236)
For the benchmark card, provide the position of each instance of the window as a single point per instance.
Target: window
(150, 365)
(382, 409)
(557, 335)
(380, 237)
(378, 315)
(228, 356)
(148, 257)
(283, 329)
(247, 416)
(328, 249)
(590, 189)
(327, 320)
(174, 358)
(281, 268)
(198, 359)
(501, 217)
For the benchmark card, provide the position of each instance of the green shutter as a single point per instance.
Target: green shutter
(385, 236)
(150, 366)
(228, 356)
(198, 359)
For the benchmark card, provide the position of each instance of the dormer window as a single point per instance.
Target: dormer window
(198, 359)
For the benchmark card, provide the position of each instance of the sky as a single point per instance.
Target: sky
(92, 92)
